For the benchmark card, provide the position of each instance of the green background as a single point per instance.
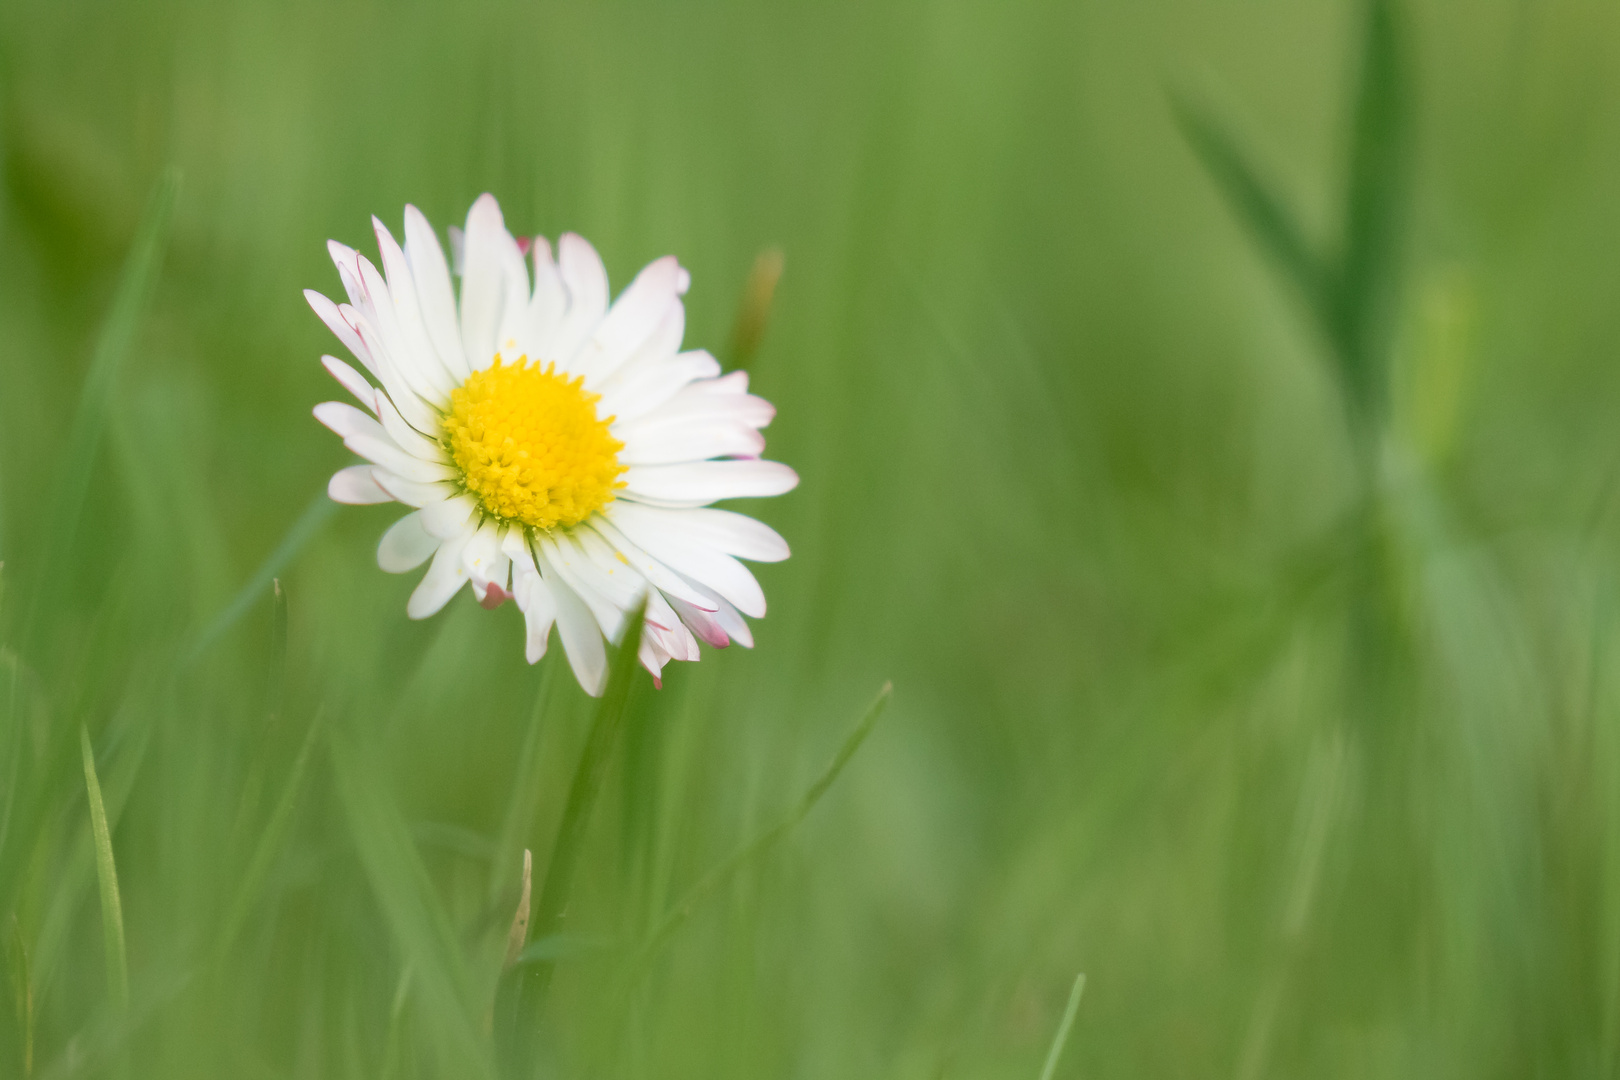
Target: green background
(1076, 473)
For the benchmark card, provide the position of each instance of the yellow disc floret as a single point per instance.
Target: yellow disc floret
(530, 446)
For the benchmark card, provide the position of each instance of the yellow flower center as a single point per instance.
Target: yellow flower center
(530, 446)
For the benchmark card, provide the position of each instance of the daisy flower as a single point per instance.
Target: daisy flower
(557, 449)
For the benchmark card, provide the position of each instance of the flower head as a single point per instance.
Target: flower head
(558, 450)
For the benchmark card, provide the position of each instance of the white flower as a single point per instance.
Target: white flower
(558, 451)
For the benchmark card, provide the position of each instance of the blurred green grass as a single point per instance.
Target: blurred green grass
(1075, 476)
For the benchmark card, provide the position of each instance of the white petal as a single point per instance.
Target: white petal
(515, 303)
(730, 384)
(383, 451)
(434, 292)
(458, 249)
(332, 315)
(571, 565)
(485, 281)
(586, 281)
(406, 545)
(539, 609)
(345, 420)
(632, 393)
(483, 561)
(356, 486)
(731, 621)
(704, 482)
(412, 493)
(408, 311)
(443, 580)
(532, 594)
(661, 576)
(633, 319)
(700, 622)
(611, 576)
(733, 533)
(702, 564)
(452, 517)
(416, 411)
(352, 381)
(665, 629)
(515, 544)
(653, 658)
(580, 632)
(425, 375)
(547, 306)
(410, 440)
(698, 403)
(696, 441)
(659, 348)
(347, 261)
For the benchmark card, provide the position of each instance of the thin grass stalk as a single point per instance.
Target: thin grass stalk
(677, 915)
(269, 844)
(112, 908)
(275, 689)
(305, 528)
(754, 314)
(410, 907)
(136, 284)
(23, 994)
(526, 784)
(1061, 1039)
(1354, 299)
(521, 992)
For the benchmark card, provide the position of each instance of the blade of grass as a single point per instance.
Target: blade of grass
(11, 740)
(269, 845)
(759, 294)
(1254, 200)
(130, 300)
(22, 984)
(76, 867)
(275, 682)
(716, 877)
(396, 1023)
(112, 910)
(519, 933)
(521, 991)
(1375, 209)
(417, 920)
(316, 514)
(526, 786)
(278, 655)
(1061, 1039)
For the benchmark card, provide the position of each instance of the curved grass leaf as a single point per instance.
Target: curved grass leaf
(1061, 1039)
(134, 292)
(1254, 199)
(112, 908)
(719, 875)
(317, 513)
(1376, 199)
(269, 844)
(420, 926)
(522, 990)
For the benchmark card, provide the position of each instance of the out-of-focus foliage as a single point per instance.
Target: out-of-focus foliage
(1308, 758)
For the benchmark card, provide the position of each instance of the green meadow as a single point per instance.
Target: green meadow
(1208, 421)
